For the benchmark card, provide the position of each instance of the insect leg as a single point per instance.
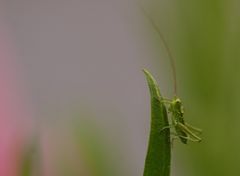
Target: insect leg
(176, 136)
(193, 128)
(190, 139)
(188, 131)
(166, 127)
(167, 101)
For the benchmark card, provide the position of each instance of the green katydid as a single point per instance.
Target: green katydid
(183, 131)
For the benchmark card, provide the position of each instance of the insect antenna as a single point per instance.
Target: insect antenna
(155, 26)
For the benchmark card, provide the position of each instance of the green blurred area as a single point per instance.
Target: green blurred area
(204, 37)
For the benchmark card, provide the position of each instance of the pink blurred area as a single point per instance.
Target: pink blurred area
(15, 118)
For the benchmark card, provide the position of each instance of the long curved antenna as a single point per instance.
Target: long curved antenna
(155, 26)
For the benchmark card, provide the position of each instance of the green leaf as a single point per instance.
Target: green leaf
(158, 157)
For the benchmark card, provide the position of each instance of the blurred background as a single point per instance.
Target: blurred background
(74, 100)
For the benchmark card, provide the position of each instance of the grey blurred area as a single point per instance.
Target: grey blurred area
(86, 56)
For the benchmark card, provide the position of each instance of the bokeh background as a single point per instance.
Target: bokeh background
(74, 100)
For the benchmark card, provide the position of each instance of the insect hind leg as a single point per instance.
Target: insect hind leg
(177, 136)
(189, 138)
(193, 128)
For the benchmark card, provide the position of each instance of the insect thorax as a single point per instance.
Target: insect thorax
(177, 110)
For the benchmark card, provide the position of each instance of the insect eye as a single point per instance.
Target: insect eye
(178, 101)
(178, 104)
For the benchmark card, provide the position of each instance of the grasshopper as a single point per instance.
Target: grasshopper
(183, 130)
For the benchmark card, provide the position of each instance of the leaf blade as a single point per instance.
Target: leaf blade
(158, 157)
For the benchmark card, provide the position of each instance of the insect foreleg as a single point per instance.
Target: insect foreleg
(166, 127)
(167, 101)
